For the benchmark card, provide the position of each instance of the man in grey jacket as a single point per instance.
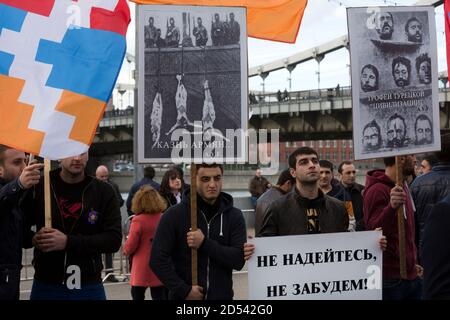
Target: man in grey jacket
(284, 184)
(306, 209)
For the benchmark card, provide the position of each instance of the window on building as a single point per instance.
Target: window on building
(328, 143)
(344, 143)
(320, 143)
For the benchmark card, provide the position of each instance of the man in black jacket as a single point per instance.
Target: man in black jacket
(86, 222)
(219, 239)
(436, 252)
(429, 189)
(306, 209)
(15, 179)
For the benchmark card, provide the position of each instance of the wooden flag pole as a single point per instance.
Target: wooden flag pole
(401, 221)
(194, 221)
(47, 194)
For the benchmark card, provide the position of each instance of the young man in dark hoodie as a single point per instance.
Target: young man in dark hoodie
(15, 179)
(86, 222)
(382, 198)
(219, 239)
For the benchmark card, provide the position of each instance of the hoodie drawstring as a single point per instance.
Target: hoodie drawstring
(221, 225)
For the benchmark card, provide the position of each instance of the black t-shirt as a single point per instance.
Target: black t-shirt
(208, 210)
(312, 215)
(69, 201)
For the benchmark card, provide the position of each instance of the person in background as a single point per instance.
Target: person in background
(147, 207)
(352, 193)
(257, 186)
(427, 163)
(16, 178)
(149, 174)
(102, 174)
(284, 184)
(171, 187)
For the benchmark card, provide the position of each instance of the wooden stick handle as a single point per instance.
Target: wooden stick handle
(194, 221)
(401, 222)
(47, 194)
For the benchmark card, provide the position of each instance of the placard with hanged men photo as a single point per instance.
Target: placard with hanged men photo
(393, 56)
(192, 83)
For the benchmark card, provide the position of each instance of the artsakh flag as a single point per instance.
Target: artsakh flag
(277, 20)
(59, 61)
(447, 29)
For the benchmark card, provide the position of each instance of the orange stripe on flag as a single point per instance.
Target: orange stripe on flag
(87, 112)
(277, 20)
(15, 118)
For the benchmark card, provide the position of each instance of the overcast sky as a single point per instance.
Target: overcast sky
(324, 20)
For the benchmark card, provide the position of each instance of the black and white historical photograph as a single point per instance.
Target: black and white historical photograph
(192, 80)
(393, 57)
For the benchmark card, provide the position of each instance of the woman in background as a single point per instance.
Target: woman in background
(171, 187)
(147, 206)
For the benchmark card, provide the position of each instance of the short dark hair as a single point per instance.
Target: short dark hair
(3, 149)
(409, 21)
(346, 162)
(389, 161)
(431, 158)
(326, 164)
(149, 172)
(302, 150)
(401, 60)
(209, 165)
(422, 58)
(284, 177)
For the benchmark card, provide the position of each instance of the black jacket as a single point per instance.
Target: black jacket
(354, 194)
(135, 187)
(287, 215)
(220, 252)
(427, 190)
(97, 231)
(436, 252)
(13, 237)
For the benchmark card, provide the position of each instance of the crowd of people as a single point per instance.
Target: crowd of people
(306, 199)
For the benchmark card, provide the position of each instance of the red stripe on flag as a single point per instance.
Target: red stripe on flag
(116, 21)
(41, 7)
(447, 29)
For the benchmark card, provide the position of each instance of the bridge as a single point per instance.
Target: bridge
(303, 115)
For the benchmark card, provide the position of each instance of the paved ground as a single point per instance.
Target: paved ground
(121, 290)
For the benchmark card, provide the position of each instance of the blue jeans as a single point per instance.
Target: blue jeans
(45, 291)
(399, 289)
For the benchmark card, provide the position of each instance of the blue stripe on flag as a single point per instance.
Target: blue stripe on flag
(11, 18)
(87, 61)
(6, 61)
